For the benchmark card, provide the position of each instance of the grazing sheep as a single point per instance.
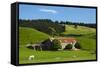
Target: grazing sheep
(31, 57)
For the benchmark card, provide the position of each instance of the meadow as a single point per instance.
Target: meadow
(85, 36)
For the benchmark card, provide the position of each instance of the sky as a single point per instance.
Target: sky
(56, 13)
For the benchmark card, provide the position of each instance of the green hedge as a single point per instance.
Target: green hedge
(56, 44)
(77, 45)
(68, 46)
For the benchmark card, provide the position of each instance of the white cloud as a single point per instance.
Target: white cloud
(48, 10)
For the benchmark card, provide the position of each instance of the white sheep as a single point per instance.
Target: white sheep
(31, 57)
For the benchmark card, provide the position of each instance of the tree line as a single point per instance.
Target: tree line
(92, 25)
(51, 27)
(44, 25)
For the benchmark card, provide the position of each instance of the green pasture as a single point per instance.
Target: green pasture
(84, 35)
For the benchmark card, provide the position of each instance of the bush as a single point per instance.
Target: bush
(30, 47)
(56, 44)
(77, 45)
(69, 46)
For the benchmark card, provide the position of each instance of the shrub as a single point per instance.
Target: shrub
(68, 46)
(56, 44)
(75, 26)
(30, 47)
(77, 45)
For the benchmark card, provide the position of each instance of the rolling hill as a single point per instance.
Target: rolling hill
(30, 35)
(43, 25)
(86, 36)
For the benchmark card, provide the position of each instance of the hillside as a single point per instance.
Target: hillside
(86, 36)
(30, 35)
(43, 25)
(80, 30)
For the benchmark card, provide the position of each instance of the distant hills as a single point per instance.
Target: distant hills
(43, 25)
(49, 27)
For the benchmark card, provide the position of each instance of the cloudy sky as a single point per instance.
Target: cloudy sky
(55, 13)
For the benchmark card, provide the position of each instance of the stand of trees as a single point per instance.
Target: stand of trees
(50, 27)
(44, 25)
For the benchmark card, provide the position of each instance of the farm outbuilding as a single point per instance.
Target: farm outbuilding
(47, 44)
(65, 41)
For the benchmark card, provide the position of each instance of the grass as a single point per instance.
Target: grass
(29, 35)
(80, 30)
(85, 36)
(54, 56)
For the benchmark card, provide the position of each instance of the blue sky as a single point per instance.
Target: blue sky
(55, 13)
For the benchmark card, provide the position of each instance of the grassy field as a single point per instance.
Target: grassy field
(53, 56)
(86, 37)
(29, 35)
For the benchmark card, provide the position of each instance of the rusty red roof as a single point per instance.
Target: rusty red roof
(67, 40)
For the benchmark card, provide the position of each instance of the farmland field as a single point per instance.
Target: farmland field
(54, 56)
(29, 35)
(85, 36)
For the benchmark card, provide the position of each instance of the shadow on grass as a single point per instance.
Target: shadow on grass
(71, 35)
